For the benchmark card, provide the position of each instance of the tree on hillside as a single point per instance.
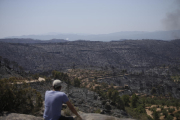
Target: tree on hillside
(112, 94)
(153, 91)
(126, 100)
(155, 115)
(115, 95)
(165, 113)
(120, 103)
(169, 117)
(171, 110)
(177, 115)
(134, 100)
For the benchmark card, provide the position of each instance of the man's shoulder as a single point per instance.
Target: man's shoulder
(49, 91)
(61, 93)
(55, 92)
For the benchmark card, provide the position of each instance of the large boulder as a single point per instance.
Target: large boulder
(16, 116)
(95, 116)
(85, 116)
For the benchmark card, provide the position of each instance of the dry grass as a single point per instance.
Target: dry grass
(149, 112)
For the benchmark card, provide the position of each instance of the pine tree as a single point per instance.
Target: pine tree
(134, 101)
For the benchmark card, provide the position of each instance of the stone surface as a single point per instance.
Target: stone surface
(94, 116)
(16, 116)
(85, 116)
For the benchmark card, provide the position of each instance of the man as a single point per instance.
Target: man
(53, 103)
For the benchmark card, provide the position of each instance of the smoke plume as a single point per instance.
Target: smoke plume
(172, 21)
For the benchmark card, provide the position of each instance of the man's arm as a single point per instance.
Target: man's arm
(73, 110)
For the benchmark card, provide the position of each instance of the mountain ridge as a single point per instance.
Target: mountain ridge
(158, 35)
(29, 40)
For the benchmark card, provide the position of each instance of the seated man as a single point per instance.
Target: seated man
(53, 103)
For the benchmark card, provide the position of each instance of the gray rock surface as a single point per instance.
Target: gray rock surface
(16, 116)
(94, 116)
(85, 116)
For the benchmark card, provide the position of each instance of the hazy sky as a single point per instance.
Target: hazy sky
(26, 17)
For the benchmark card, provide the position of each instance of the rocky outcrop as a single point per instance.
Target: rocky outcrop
(94, 116)
(85, 116)
(16, 116)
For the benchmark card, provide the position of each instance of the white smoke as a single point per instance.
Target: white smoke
(172, 20)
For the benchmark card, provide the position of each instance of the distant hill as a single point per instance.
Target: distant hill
(134, 35)
(29, 40)
(128, 54)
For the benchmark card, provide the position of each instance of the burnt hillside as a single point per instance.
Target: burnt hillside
(129, 54)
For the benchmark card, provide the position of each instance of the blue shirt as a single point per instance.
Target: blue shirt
(53, 104)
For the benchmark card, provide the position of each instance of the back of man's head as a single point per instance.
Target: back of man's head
(57, 85)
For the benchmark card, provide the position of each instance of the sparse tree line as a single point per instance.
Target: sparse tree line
(140, 105)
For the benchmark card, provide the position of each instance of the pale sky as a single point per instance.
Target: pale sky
(28, 17)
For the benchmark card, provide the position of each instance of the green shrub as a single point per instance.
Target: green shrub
(169, 117)
(171, 110)
(155, 115)
(177, 115)
(149, 117)
(134, 101)
(126, 100)
(114, 96)
(19, 98)
(162, 108)
(153, 109)
(140, 109)
(165, 113)
(120, 103)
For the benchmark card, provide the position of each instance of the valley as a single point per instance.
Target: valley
(100, 74)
